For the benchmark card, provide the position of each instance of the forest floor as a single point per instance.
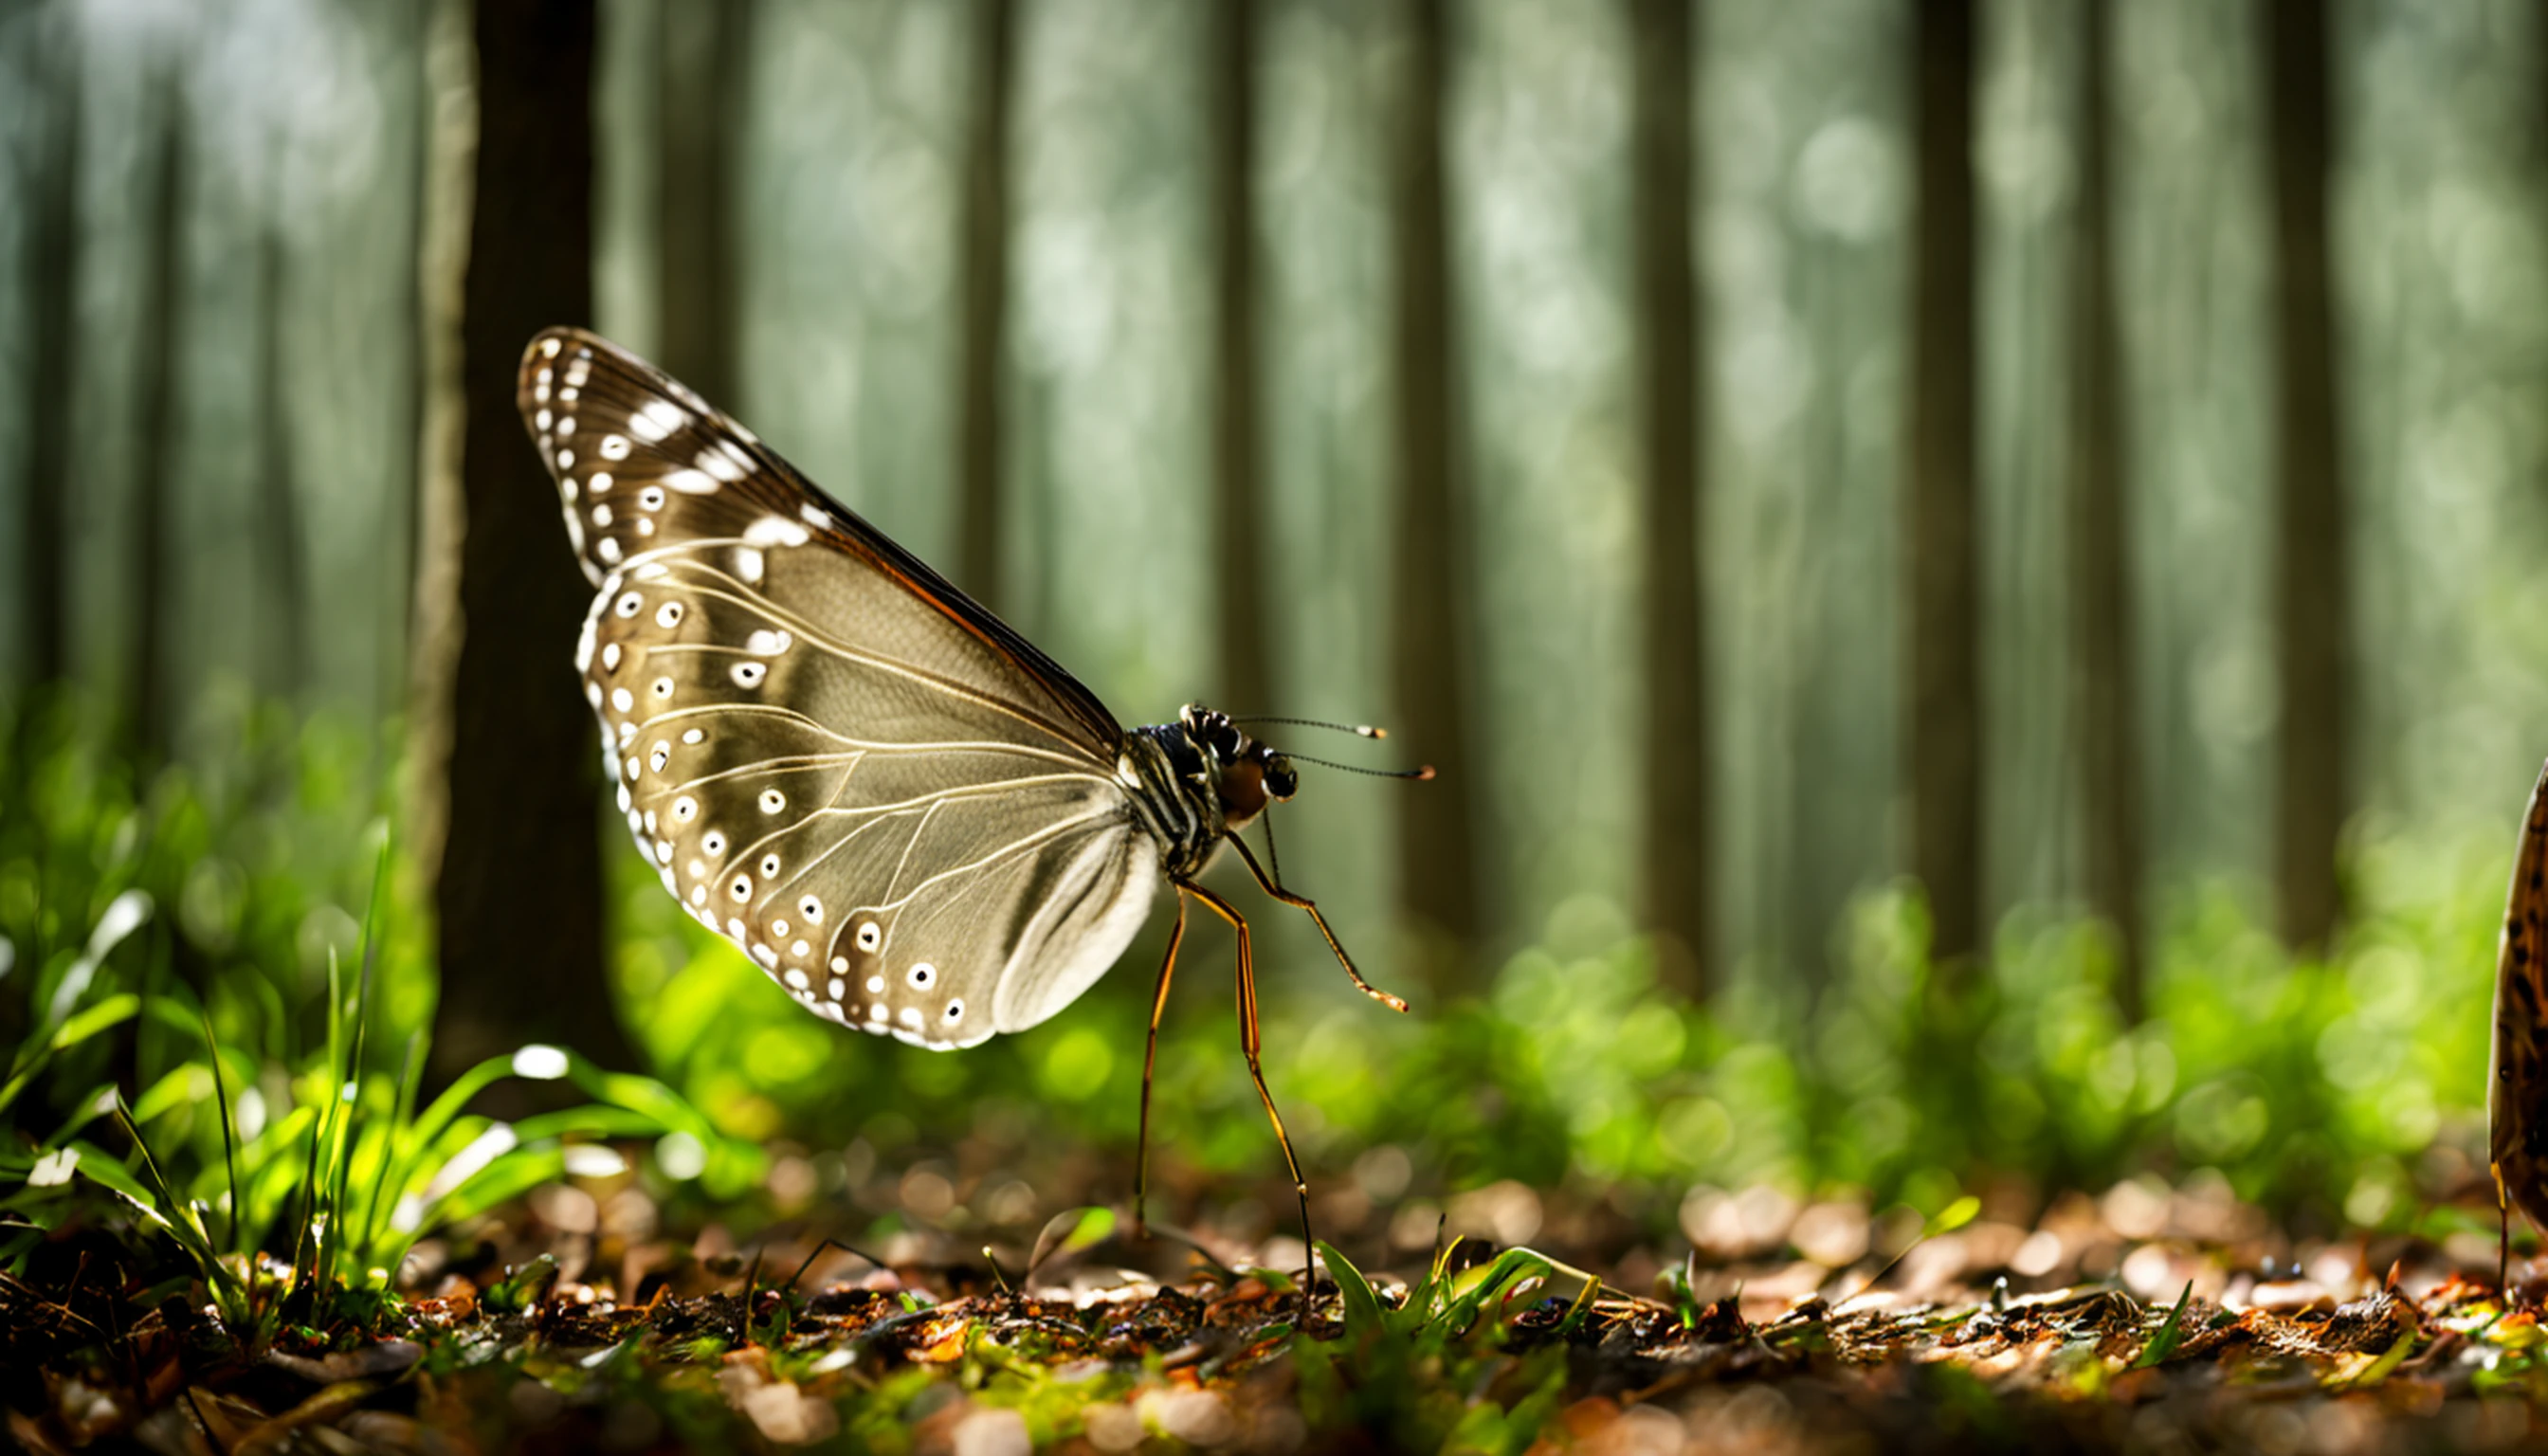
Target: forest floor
(1791, 1335)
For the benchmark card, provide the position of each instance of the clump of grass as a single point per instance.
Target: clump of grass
(1438, 1367)
(315, 1177)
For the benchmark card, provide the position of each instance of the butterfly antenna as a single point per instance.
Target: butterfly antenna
(1358, 730)
(1419, 773)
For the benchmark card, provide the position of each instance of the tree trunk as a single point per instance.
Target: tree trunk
(53, 340)
(983, 352)
(518, 888)
(1238, 454)
(402, 524)
(283, 638)
(1436, 848)
(2108, 708)
(1944, 677)
(158, 343)
(703, 73)
(2313, 614)
(1678, 741)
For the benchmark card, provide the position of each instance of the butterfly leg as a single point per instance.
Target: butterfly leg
(1274, 888)
(1250, 1042)
(1149, 1064)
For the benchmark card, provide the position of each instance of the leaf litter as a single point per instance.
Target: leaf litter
(1925, 1337)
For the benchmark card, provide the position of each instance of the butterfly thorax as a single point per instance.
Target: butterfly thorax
(1198, 780)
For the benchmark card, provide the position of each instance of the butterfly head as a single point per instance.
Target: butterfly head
(1242, 774)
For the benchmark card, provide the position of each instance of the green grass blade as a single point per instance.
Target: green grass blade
(2172, 1334)
(175, 1215)
(99, 1102)
(100, 1167)
(589, 1122)
(107, 1014)
(1361, 1306)
(440, 1113)
(510, 1176)
(1478, 1288)
(229, 1140)
(304, 1257)
(342, 1171)
(392, 1137)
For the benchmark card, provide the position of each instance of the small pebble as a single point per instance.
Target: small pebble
(1196, 1417)
(992, 1433)
(1114, 1427)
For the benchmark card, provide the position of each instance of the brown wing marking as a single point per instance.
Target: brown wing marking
(2517, 1062)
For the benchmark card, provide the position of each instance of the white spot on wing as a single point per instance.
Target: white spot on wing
(659, 418)
(774, 531)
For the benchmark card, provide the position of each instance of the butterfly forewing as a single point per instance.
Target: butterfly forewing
(901, 811)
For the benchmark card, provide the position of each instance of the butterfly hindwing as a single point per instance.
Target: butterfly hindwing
(829, 756)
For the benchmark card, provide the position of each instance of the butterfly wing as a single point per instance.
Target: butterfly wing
(905, 813)
(2517, 1070)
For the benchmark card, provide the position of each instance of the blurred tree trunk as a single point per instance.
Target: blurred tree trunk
(2110, 751)
(1238, 454)
(703, 77)
(1946, 725)
(518, 869)
(1677, 891)
(53, 340)
(158, 340)
(402, 525)
(1438, 876)
(283, 645)
(2313, 609)
(983, 350)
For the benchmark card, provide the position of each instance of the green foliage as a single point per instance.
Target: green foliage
(135, 911)
(2315, 1085)
(1432, 1371)
(251, 1133)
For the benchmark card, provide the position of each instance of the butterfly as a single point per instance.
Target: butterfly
(2516, 1083)
(916, 822)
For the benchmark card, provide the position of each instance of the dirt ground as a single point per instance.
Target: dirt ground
(2149, 1319)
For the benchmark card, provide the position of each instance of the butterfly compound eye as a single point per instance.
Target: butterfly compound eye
(1282, 780)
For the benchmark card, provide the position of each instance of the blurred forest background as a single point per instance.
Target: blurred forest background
(2002, 527)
